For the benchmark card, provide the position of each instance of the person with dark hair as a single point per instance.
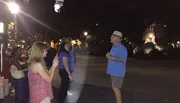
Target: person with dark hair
(64, 70)
(71, 54)
(18, 76)
(51, 53)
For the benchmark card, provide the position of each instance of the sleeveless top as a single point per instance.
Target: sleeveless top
(17, 74)
(39, 89)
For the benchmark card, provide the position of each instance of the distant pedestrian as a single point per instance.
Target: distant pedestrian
(117, 64)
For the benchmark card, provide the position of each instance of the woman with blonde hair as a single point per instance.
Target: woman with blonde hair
(39, 77)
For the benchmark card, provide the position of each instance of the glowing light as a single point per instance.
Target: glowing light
(57, 8)
(150, 38)
(9, 45)
(13, 7)
(52, 44)
(23, 41)
(158, 48)
(73, 41)
(1, 27)
(147, 50)
(151, 35)
(85, 33)
(79, 42)
(69, 93)
(58, 5)
(12, 23)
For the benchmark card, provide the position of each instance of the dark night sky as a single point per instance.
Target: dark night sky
(125, 15)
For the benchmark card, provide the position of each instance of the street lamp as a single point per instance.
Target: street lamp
(85, 33)
(1, 27)
(58, 5)
(13, 7)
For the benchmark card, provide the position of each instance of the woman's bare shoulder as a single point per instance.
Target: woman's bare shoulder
(35, 67)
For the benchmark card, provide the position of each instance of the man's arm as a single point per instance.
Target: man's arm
(115, 59)
(120, 58)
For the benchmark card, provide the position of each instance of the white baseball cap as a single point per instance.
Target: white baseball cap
(118, 33)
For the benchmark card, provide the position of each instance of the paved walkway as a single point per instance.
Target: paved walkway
(97, 94)
(145, 82)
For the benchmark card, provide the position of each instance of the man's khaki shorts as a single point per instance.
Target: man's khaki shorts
(116, 82)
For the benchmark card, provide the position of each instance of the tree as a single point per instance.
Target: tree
(158, 30)
(160, 33)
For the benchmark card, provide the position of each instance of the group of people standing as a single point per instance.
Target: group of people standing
(40, 77)
(14, 73)
(39, 68)
(31, 77)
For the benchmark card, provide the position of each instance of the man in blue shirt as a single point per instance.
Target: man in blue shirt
(116, 67)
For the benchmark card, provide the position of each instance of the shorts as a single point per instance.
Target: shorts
(116, 81)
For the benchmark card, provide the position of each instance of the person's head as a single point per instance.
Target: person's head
(67, 40)
(16, 52)
(37, 53)
(64, 39)
(57, 46)
(116, 37)
(48, 45)
(64, 47)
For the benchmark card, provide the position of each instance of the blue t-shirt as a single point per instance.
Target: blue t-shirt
(115, 68)
(61, 65)
(71, 57)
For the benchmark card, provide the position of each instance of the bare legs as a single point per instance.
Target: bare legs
(117, 93)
